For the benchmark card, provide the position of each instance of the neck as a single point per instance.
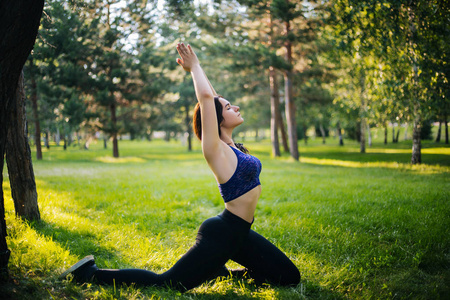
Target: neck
(226, 136)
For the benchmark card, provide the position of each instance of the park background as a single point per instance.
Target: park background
(345, 102)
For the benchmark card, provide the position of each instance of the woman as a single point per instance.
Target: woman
(228, 235)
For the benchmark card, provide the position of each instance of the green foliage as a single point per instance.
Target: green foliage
(357, 226)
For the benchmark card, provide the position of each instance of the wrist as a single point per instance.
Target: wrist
(196, 67)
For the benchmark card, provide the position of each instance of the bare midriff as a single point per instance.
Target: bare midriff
(244, 206)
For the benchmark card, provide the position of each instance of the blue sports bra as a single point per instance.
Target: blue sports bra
(245, 178)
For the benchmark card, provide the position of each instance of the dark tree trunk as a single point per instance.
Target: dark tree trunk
(339, 130)
(114, 135)
(274, 112)
(438, 136)
(290, 105)
(363, 125)
(393, 133)
(187, 121)
(18, 159)
(18, 18)
(47, 139)
(34, 105)
(362, 141)
(105, 144)
(274, 99)
(446, 130)
(398, 134)
(385, 134)
(282, 129)
(416, 157)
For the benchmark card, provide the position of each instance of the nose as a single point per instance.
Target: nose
(236, 108)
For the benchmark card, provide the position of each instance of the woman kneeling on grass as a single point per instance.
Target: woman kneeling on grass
(226, 236)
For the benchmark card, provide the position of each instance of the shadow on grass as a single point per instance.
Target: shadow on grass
(80, 244)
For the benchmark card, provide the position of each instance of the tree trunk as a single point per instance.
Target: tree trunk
(438, 136)
(393, 133)
(290, 105)
(47, 139)
(305, 136)
(363, 125)
(385, 134)
(274, 112)
(281, 127)
(274, 98)
(114, 135)
(19, 21)
(416, 157)
(362, 141)
(446, 129)
(18, 159)
(322, 132)
(398, 134)
(34, 105)
(416, 148)
(339, 130)
(187, 121)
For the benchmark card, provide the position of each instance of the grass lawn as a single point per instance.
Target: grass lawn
(358, 226)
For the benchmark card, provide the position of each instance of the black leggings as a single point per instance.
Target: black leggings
(219, 239)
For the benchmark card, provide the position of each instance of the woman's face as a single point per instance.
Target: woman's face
(231, 115)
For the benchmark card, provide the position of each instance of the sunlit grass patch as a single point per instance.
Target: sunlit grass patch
(109, 159)
(421, 168)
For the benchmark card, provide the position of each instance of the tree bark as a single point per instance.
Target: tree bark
(322, 132)
(19, 20)
(274, 112)
(281, 127)
(274, 96)
(290, 105)
(416, 157)
(187, 121)
(363, 124)
(385, 134)
(339, 130)
(34, 105)
(114, 134)
(393, 133)
(438, 136)
(18, 159)
(362, 141)
(446, 129)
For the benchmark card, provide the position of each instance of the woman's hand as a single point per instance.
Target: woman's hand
(188, 58)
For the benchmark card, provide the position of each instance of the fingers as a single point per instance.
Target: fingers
(181, 48)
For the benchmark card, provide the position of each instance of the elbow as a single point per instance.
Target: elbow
(204, 96)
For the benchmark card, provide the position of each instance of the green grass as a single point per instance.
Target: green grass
(358, 226)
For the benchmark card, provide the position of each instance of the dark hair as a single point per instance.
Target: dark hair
(197, 120)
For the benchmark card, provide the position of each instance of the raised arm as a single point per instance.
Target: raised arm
(205, 95)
